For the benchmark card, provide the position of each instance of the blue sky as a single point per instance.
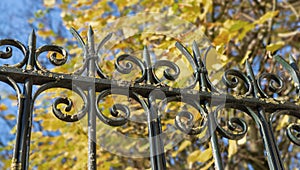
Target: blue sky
(14, 24)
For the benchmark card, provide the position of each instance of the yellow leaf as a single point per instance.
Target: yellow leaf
(222, 38)
(276, 46)
(208, 165)
(242, 141)
(199, 156)
(3, 107)
(267, 16)
(237, 25)
(182, 146)
(246, 56)
(283, 122)
(232, 149)
(49, 3)
(206, 6)
(45, 33)
(220, 48)
(193, 156)
(10, 117)
(202, 134)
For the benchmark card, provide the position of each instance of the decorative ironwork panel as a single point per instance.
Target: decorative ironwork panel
(92, 84)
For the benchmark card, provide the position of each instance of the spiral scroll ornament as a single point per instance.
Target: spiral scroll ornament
(66, 101)
(185, 120)
(237, 127)
(293, 129)
(275, 83)
(120, 113)
(9, 51)
(53, 58)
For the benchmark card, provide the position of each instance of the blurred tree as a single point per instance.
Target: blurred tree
(239, 30)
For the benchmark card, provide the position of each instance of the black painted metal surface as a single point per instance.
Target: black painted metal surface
(255, 102)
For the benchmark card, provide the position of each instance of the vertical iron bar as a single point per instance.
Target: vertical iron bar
(92, 162)
(157, 154)
(214, 143)
(16, 160)
(271, 148)
(203, 87)
(22, 148)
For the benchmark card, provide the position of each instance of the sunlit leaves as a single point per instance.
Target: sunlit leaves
(49, 3)
(266, 16)
(273, 47)
(199, 156)
(232, 148)
(10, 116)
(182, 147)
(45, 33)
(235, 29)
(3, 107)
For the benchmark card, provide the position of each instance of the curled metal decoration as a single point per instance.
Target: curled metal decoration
(12, 84)
(234, 81)
(199, 67)
(187, 126)
(192, 61)
(295, 138)
(275, 84)
(67, 101)
(120, 113)
(79, 39)
(53, 57)
(167, 72)
(233, 123)
(87, 54)
(128, 67)
(8, 52)
(100, 45)
(292, 70)
(293, 129)
(202, 71)
(118, 118)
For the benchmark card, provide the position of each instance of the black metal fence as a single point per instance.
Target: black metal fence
(255, 102)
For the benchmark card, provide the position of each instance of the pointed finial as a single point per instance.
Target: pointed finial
(90, 32)
(91, 44)
(32, 38)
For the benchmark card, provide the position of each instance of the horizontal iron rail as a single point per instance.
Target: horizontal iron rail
(39, 77)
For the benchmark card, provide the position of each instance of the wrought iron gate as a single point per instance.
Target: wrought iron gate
(255, 102)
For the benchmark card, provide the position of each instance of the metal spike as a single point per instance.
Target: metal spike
(91, 43)
(32, 38)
